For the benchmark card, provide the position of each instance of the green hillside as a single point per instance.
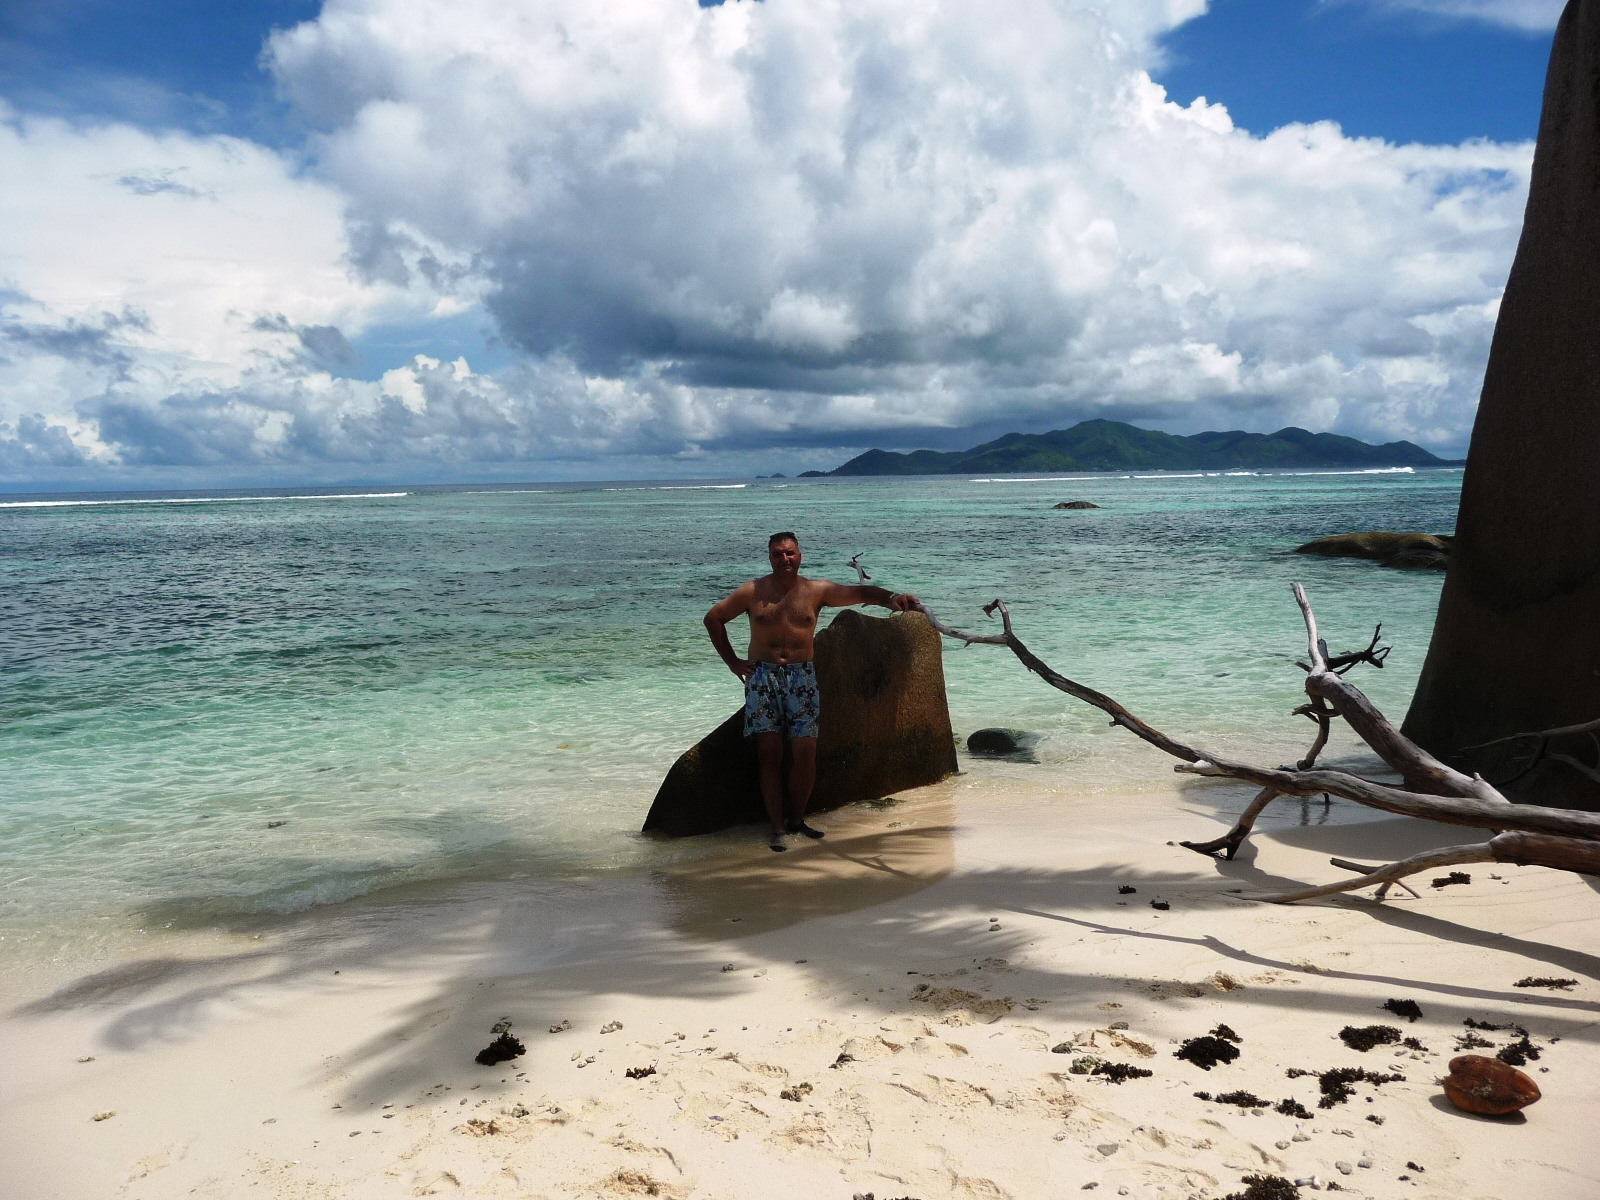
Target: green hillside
(1115, 446)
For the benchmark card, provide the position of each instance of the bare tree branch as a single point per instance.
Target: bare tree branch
(1564, 854)
(1560, 838)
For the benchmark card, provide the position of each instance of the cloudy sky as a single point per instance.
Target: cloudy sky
(278, 241)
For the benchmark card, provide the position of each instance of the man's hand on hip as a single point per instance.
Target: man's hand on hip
(744, 670)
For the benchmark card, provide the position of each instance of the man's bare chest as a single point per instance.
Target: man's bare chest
(798, 607)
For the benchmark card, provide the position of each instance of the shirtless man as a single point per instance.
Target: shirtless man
(780, 678)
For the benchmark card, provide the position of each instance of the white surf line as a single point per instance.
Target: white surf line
(195, 500)
(1363, 471)
(681, 487)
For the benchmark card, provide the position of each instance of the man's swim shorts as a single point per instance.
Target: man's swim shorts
(782, 698)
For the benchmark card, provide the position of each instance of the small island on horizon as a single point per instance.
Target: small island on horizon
(1102, 445)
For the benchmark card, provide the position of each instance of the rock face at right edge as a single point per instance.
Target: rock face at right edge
(1517, 643)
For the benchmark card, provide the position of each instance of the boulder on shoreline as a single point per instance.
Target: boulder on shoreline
(885, 726)
(1425, 551)
(1516, 647)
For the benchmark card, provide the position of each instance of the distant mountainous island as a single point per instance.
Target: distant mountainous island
(1116, 446)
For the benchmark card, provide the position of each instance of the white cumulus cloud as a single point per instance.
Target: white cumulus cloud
(798, 224)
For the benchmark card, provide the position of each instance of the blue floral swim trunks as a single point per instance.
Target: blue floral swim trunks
(782, 698)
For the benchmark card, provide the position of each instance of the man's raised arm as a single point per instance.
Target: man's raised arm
(736, 604)
(842, 595)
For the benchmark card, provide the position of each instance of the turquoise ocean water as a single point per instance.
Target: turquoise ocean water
(219, 707)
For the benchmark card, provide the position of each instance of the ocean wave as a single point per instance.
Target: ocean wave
(194, 500)
(1196, 475)
(681, 487)
(1360, 471)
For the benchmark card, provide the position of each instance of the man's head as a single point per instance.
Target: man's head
(783, 552)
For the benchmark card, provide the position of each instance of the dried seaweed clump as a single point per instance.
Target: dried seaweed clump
(1519, 1052)
(1336, 1088)
(1265, 1187)
(1403, 1008)
(500, 1050)
(1368, 1036)
(1241, 1098)
(1545, 981)
(1120, 1072)
(1453, 877)
(1293, 1108)
(1206, 1052)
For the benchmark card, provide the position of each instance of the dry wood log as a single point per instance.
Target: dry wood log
(1526, 834)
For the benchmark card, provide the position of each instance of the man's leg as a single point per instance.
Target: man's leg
(802, 774)
(769, 749)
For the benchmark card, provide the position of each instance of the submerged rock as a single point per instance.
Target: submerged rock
(885, 726)
(1424, 551)
(998, 743)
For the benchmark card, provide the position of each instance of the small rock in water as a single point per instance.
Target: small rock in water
(276, 824)
(1161, 904)
(1075, 504)
(995, 742)
(1126, 890)
(1488, 1086)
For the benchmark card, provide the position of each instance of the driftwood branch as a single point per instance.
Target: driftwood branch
(1567, 854)
(1559, 838)
(1540, 750)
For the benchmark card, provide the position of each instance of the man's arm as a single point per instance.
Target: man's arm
(736, 604)
(842, 595)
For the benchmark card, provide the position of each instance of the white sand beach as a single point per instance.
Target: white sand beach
(840, 1020)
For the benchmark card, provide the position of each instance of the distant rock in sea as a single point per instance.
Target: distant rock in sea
(1116, 446)
(885, 726)
(1075, 504)
(1417, 551)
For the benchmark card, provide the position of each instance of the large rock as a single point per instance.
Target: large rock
(885, 726)
(1424, 550)
(1516, 646)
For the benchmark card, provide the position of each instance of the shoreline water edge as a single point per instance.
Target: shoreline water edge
(456, 705)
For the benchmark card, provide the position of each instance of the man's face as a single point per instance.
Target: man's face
(784, 557)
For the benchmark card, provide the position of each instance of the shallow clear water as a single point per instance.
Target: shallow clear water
(441, 684)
